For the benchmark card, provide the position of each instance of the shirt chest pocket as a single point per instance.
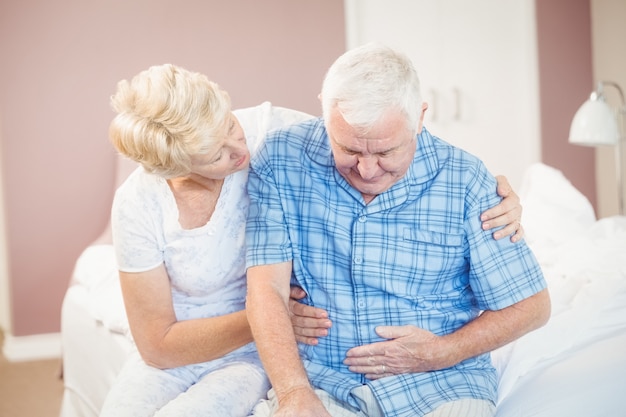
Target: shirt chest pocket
(432, 238)
(428, 255)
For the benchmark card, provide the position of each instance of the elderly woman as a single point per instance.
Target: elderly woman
(178, 230)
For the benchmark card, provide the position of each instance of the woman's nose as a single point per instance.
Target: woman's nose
(238, 149)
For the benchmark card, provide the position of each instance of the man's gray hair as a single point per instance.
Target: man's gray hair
(367, 82)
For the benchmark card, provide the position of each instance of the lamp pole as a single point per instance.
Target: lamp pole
(619, 157)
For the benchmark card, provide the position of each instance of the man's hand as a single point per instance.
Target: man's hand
(412, 349)
(408, 350)
(508, 212)
(308, 322)
(302, 402)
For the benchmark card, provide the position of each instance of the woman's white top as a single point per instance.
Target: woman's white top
(206, 265)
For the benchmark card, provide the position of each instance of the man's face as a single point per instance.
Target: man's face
(371, 161)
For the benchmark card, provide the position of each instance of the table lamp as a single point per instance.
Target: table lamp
(596, 124)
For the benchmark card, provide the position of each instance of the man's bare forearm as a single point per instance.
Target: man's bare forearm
(268, 315)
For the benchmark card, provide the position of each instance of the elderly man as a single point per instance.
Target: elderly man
(379, 222)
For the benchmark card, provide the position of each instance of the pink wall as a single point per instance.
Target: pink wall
(565, 82)
(60, 63)
(61, 60)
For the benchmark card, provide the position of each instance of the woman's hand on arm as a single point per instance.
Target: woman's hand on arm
(309, 323)
(508, 213)
(165, 342)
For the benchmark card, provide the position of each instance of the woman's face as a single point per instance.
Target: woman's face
(228, 157)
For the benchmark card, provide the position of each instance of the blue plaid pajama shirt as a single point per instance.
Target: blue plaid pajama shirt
(415, 255)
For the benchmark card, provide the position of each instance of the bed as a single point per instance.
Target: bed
(573, 366)
(95, 336)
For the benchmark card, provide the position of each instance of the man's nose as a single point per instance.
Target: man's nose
(367, 166)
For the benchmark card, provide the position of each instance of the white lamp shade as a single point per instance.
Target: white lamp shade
(594, 124)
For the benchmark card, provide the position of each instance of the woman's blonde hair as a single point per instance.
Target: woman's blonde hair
(166, 114)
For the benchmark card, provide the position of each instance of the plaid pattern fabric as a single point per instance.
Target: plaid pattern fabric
(415, 255)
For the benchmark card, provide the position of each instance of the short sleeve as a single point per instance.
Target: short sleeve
(136, 221)
(259, 120)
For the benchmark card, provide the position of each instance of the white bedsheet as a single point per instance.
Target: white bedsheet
(92, 355)
(94, 329)
(577, 361)
(587, 282)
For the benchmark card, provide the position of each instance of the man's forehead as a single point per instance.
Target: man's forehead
(371, 142)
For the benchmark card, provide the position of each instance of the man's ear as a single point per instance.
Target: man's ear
(420, 123)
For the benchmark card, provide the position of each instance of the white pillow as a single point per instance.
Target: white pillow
(96, 270)
(554, 210)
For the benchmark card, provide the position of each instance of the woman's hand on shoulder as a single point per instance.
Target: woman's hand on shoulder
(508, 213)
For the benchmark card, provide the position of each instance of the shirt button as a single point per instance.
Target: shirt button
(362, 219)
(358, 260)
(361, 304)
